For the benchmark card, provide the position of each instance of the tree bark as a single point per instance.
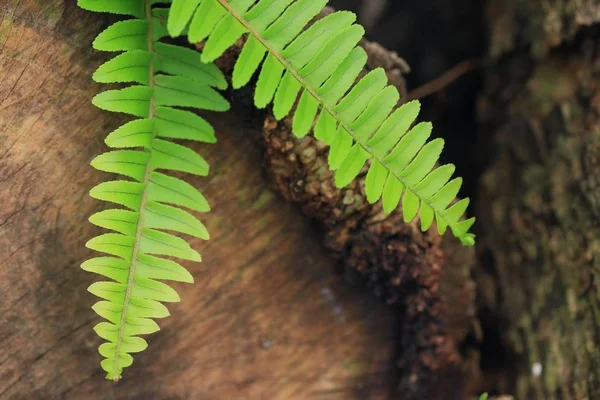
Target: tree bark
(538, 202)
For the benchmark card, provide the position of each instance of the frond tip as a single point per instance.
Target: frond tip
(317, 69)
(165, 77)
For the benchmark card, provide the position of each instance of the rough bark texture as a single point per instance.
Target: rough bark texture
(425, 276)
(539, 201)
(268, 317)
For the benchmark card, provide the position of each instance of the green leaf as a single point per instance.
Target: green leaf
(286, 95)
(144, 308)
(410, 206)
(343, 76)
(110, 267)
(139, 326)
(392, 192)
(123, 36)
(111, 291)
(127, 67)
(435, 181)
(291, 22)
(134, 100)
(351, 166)
(206, 17)
(442, 198)
(166, 189)
(185, 92)
(175, 157)
(326, 127)
(251, 56)
(136, 133)
(175, 60)
(108, 310)
(376, 113)
(422, 164)
(113, 244)
(153, 290)
(160, 268)
(303, 49)
(128, 194)
(268, 81)
(305, 114)
(375, 182)
(361, 95)
(226, 33)
(130, 163)
(427, 216)
(394, 128)
(456, 211)
(340, 148)
(265, 12)
(180, 124)
(318, 69)
(162, 216)
(131, 8)
(408, 147)
(121, 221)
(132, 344)
(180, 15)
(160, 243)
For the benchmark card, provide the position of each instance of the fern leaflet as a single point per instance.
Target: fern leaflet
(320, 65)
(166, 76)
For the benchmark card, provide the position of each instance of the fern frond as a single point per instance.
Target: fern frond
(164, 77)
(320, 66)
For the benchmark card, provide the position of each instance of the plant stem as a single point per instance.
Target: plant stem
(140, 224)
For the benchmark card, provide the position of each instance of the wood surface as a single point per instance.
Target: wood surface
(267, 318)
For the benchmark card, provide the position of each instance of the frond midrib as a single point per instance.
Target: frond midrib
(329, 109)
(144, 198)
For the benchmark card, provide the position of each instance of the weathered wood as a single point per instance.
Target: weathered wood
(267, 317)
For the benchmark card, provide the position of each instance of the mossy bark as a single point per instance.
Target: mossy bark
(539, 202)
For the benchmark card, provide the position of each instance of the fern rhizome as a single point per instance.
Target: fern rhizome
(313, 70)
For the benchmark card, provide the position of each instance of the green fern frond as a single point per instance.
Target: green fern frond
(320, 66)
(165, 76)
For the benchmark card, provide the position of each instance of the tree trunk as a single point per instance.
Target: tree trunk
(539, 201)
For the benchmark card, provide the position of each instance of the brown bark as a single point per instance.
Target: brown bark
(539, 199)
(425, 276)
